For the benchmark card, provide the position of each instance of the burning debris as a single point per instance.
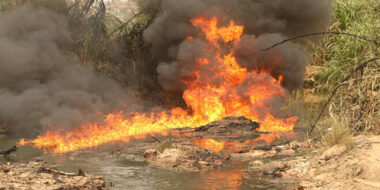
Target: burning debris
(216, 87)
(211, 53)
(212, 56)
(235, 134)
(208, 154)
(235, 126)
(210, 146)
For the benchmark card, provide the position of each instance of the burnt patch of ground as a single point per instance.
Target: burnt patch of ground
(229, 125)
(233, 128)
(207, 147)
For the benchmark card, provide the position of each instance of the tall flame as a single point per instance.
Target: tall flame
(207, 101)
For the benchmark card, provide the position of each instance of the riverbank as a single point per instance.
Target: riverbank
(281, 164)
(335, 168)
(39, 175)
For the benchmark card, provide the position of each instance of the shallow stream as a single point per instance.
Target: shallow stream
(122, 173)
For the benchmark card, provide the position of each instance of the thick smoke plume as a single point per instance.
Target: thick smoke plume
(40, 85)
(43, 86)
(265, 22)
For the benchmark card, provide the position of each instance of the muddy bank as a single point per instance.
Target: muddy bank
(227, 147)
(184, 157)
(38, 175)
(295, 164)
(210, 146)
(336, 168)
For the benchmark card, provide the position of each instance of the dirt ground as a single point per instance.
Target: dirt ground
(337, 168)
(37, 175)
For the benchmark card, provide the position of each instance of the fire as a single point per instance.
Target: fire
(218, 146)
(219, 87)
(210, 144)
(213, 33)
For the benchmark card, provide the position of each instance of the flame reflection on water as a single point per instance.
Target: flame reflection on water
(219, 179)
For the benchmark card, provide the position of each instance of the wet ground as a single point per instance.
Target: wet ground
(122, 172)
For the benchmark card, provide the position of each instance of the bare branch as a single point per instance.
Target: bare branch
(358, 68)
(321, 33)
(7, 152)
(156, 139)
(126, 23)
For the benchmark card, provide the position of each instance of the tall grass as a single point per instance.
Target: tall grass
(339, 53)
(358, 100)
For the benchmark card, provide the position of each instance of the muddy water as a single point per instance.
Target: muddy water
(122, 173)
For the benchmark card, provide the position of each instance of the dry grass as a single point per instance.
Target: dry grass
(164, 145)
(333, 131)
(355, 108)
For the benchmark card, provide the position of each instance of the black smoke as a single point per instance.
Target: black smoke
(41, 85)
(265, 21)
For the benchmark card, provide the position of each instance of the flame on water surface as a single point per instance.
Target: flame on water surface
(210, 144)
(239, 92)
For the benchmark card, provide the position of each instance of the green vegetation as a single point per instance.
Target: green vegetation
(355, 108)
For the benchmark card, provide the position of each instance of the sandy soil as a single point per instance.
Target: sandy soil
(358, 168)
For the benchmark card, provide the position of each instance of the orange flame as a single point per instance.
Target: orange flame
(218, 146)
(210, 144)
(213, 33)
(239, 92)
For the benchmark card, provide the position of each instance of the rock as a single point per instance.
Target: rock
(296, 144)
(336, 150)
(150, 154)
(256, 163)
(170, 155)
(305, 185)
(184, 157)
(273, 169)
(262, 147)
(287, 152)
(254, 154)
